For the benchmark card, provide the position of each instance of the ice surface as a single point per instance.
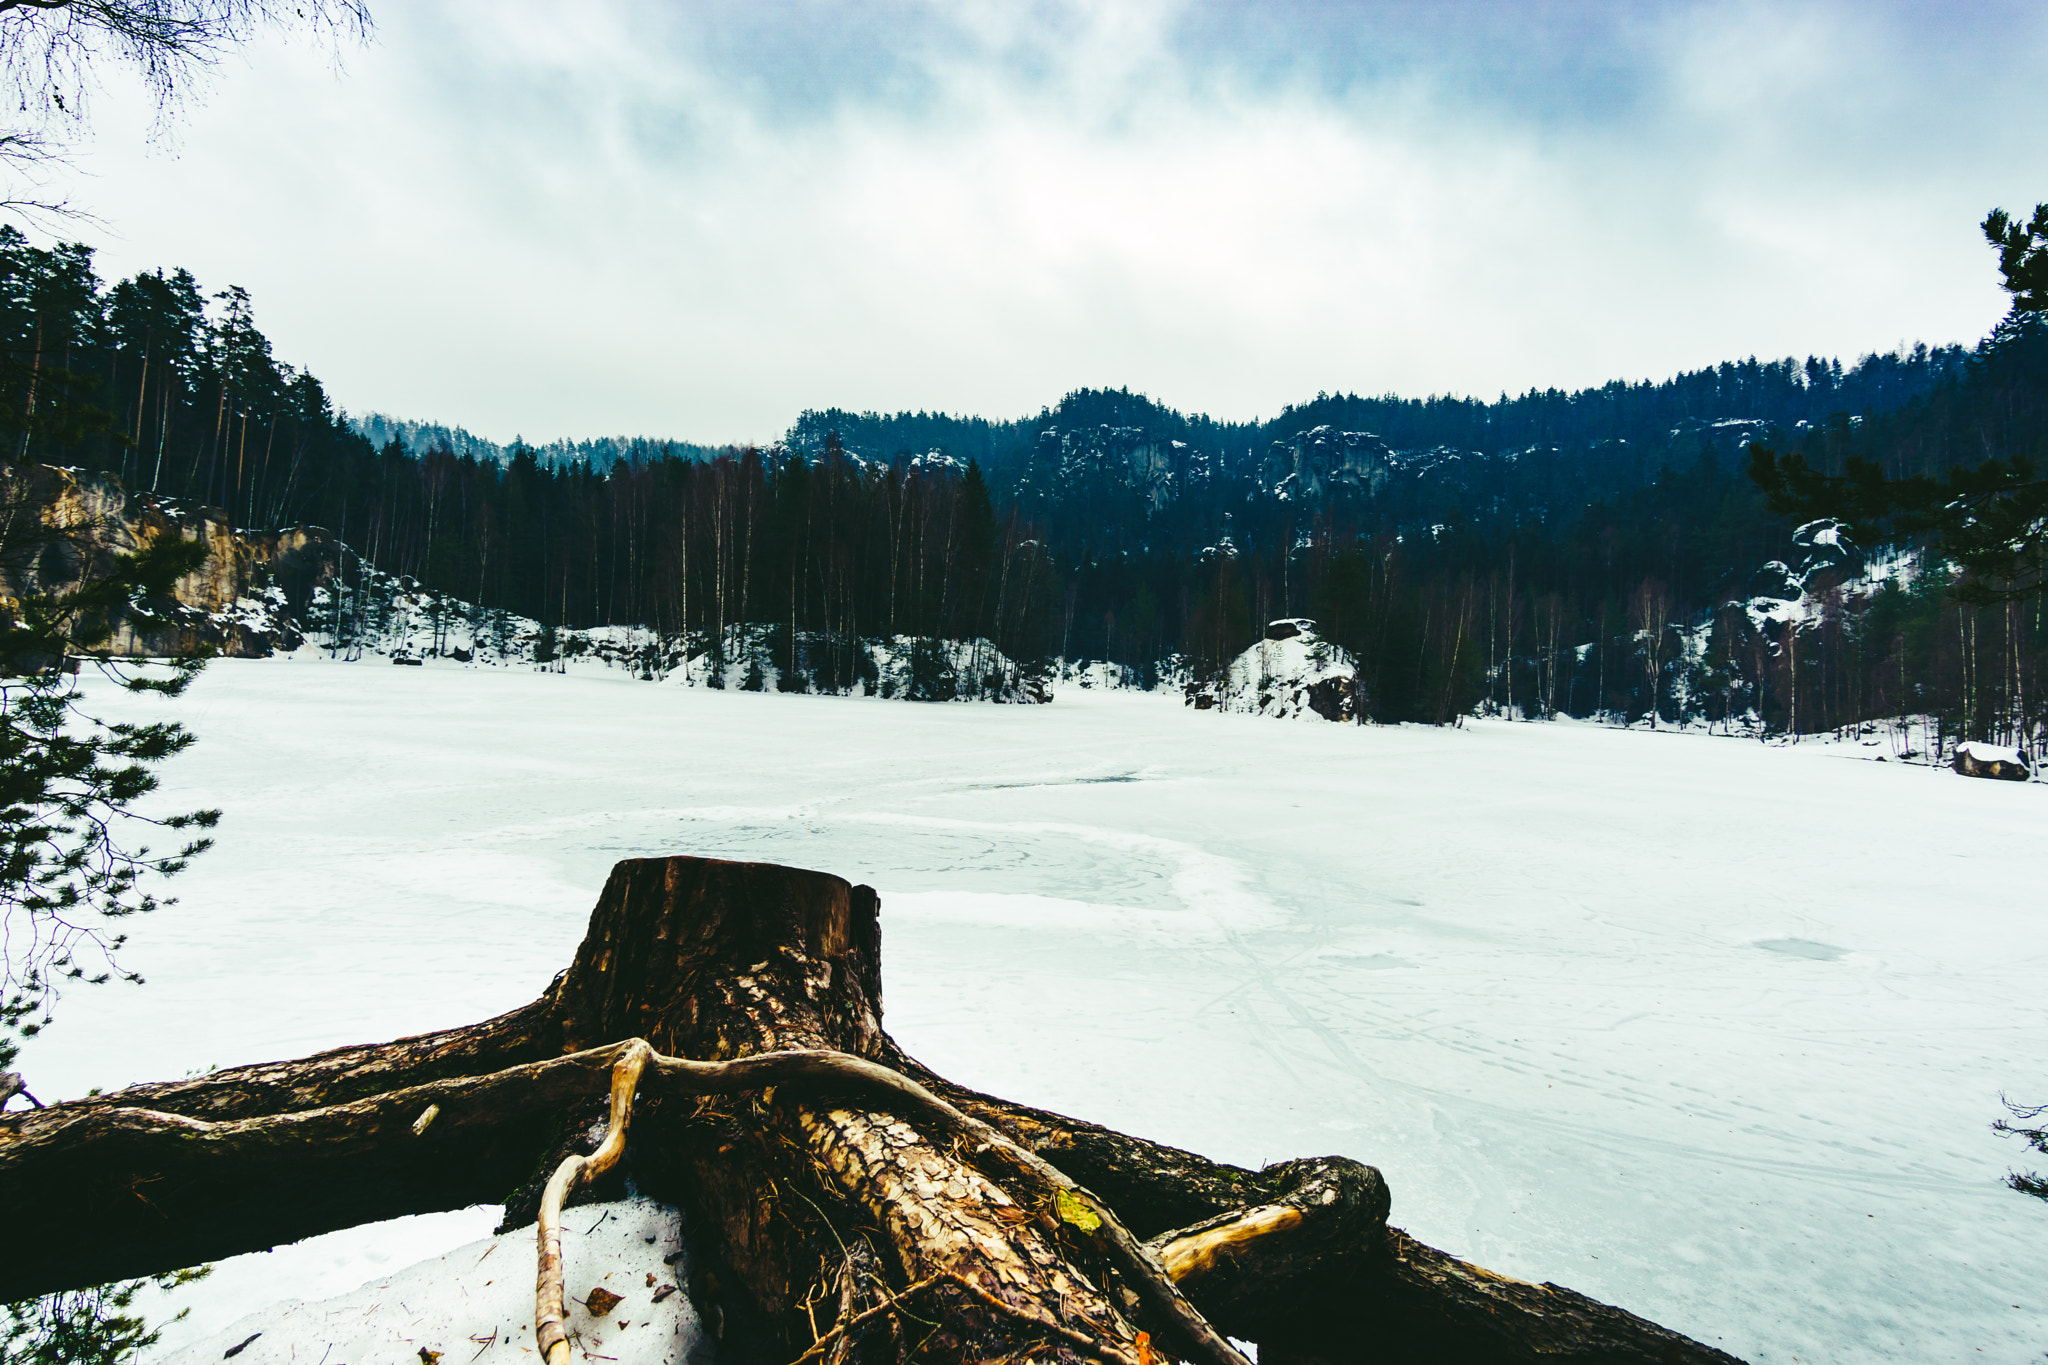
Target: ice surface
(1526, 969)
(1801, 947)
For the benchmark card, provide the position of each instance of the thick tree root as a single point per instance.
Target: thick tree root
(1077, 1207)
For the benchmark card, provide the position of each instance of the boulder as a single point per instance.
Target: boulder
(1777, 581)
(1975, 759)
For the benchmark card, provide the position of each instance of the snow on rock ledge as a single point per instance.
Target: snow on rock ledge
(1975, 759)
(476, 1303)
(1292, 674)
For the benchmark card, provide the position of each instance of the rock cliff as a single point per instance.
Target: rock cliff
(61, 527)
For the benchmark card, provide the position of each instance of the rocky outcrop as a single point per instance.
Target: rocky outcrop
(1317, 461)
(67, 526)
(1157, 468)
(1291, 674)
(1775, 581)
(1974, 759)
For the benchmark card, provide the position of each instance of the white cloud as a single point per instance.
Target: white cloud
(634, 223)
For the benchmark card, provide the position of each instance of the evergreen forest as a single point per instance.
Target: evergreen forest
(1599, 552)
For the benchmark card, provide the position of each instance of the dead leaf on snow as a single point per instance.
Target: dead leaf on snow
(600, 1301)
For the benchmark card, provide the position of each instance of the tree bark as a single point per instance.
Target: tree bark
(827, 1218)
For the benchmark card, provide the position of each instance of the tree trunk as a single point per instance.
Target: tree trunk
(823, 1213)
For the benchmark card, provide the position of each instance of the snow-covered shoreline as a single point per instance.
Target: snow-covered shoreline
(1713, 1031)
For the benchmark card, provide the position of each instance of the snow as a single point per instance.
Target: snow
(1098, 673)
(393, 616)
(1707, 1028)
(475, 1303)
(1825, 532)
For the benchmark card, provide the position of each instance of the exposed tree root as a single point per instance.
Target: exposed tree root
(1078, 1208)
(547, 1310)
(1078, 1340)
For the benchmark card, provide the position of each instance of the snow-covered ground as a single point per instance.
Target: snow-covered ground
(476, 1303)
(1705, 1028)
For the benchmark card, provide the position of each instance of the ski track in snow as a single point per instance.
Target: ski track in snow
(1707, 1029)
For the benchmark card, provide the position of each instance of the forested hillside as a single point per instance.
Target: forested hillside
(1597, 551)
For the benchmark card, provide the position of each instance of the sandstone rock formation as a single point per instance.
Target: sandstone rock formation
(61, 527)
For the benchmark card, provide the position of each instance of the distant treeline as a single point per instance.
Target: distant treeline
(1780, 393)
(600, 453)
(1556, 552)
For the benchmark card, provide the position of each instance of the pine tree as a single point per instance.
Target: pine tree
(70, 869)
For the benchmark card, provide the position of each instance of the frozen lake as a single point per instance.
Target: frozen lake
(1710, 1030)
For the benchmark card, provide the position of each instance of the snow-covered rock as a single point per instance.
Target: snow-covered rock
(1775, 580)
(1292, 674)
(1828, 546)
(1976, 759)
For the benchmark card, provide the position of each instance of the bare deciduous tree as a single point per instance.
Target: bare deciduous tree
(54, 53)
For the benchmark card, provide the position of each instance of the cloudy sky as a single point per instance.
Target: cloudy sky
(695, 220)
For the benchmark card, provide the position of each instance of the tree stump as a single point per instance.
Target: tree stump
(827, 1221)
